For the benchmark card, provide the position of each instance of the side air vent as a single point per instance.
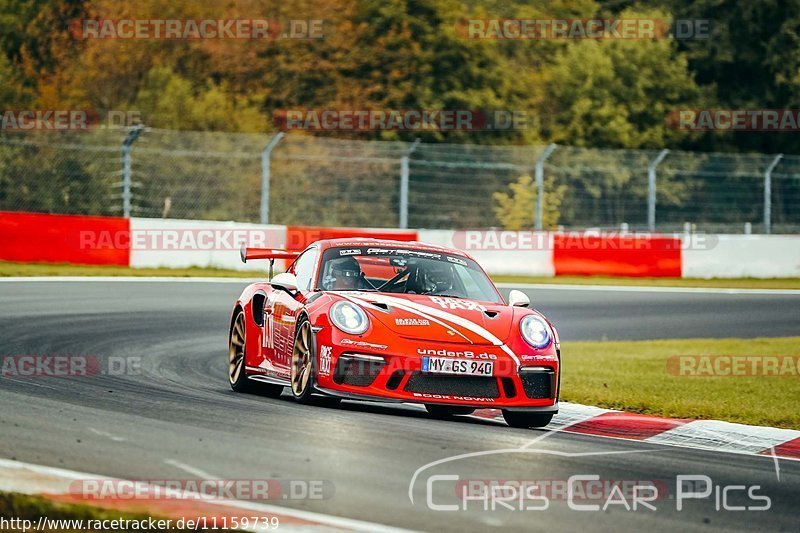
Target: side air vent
(258, 308)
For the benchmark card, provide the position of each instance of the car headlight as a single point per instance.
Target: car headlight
(349, 318)
(535, 331)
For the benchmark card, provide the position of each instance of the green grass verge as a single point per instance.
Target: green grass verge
(633, 376)
(25, 507)
(40, 269)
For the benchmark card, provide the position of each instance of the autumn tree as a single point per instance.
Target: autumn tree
(515, 209)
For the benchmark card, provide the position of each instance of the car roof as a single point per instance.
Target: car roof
(387, 243)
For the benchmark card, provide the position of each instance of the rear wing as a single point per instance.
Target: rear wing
(266, 253)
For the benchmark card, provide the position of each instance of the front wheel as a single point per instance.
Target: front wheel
(304, 369)
(518, 419)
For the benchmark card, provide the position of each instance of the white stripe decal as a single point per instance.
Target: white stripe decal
(415, 311)
(463, 322)
(428, 312)
(444, 315)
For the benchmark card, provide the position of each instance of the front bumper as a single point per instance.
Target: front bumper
(355, 368)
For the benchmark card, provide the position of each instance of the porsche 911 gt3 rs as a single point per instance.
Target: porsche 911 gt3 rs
(387, 321)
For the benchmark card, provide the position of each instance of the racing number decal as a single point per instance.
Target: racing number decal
(282, 329)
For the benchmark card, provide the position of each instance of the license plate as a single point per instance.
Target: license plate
(469, 367)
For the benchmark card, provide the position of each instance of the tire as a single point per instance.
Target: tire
(517, 419)
(303, 371)
(237, 377)
(444, 412)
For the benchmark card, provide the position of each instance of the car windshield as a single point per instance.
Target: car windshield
(404, 270)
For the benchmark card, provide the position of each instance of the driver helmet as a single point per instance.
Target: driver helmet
(343, 273)
(437, 277)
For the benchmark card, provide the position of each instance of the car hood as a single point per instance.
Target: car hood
(438, 319)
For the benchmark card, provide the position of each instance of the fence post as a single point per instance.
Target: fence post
(768, 193)
(127, 147)
(265, 175)
(537, 216)
(651, 189)
(404, 176)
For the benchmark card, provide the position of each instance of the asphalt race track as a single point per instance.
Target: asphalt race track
(176, 418)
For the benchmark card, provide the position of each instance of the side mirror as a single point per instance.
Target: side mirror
(286, 282)
(518, 299)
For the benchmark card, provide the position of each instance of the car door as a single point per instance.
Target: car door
(283, 309)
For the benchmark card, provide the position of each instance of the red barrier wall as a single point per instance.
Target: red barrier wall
(298, 237)
(634, 256)
(33, 237)
(44, 238)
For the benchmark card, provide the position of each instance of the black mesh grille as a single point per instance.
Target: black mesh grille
(537, 384)
(479, 386)
(357, 372)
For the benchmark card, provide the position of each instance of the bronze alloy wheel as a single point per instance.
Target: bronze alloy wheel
(302, 364)
(237, 374)
(303, 371)
(236, 350)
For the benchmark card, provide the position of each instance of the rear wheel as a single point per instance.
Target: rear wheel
(447, 411)
(517, 419)
(237, 377)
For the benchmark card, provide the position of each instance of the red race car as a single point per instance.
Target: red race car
(383, 320)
